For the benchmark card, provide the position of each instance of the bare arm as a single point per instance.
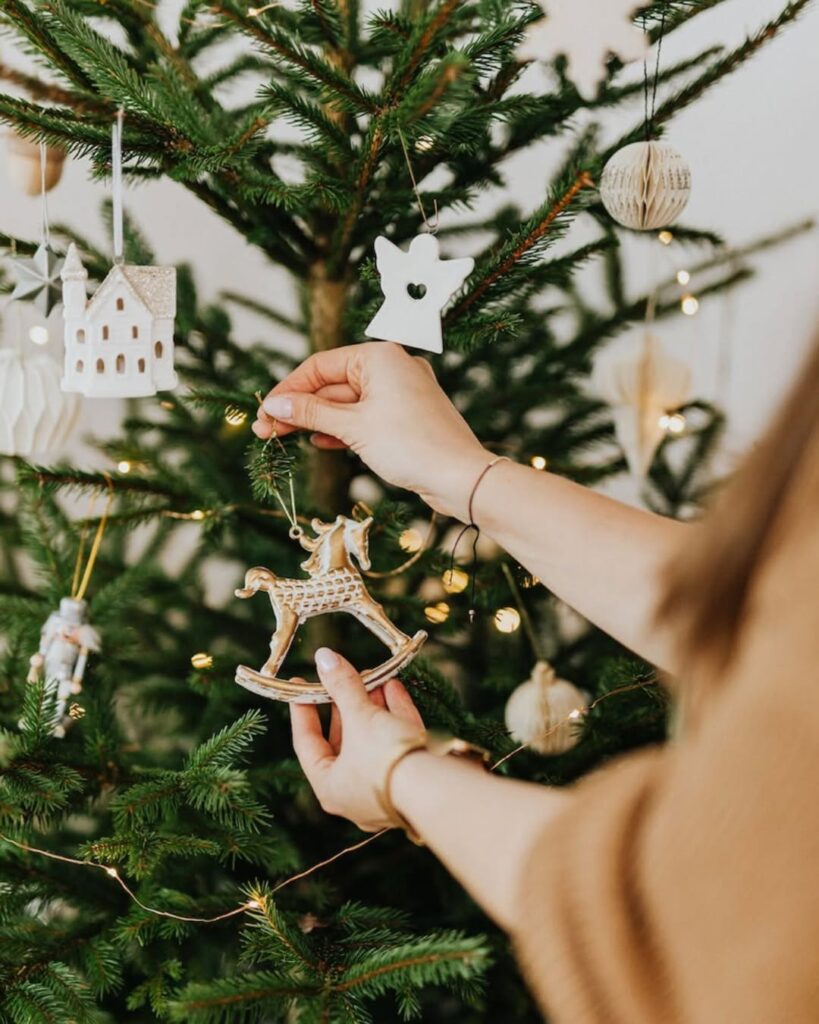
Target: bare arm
(603, 558)
(480, 826)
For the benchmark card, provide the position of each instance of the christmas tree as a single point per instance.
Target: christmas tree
(187, 834)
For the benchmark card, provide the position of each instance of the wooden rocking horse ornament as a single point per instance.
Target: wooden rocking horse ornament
(334, 585)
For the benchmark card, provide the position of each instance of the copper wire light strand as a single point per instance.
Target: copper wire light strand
(253, 904)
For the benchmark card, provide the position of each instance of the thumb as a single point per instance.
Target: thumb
(309, 412)
(342, 682)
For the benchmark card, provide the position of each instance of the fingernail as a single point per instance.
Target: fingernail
(326, 660)
(278, 407)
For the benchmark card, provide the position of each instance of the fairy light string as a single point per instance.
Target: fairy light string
(257, 900)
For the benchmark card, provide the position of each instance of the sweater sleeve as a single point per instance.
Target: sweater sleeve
(682, 884)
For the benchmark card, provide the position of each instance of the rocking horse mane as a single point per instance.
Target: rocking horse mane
(324, 533)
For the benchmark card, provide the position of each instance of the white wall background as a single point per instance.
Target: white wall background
(753, 146)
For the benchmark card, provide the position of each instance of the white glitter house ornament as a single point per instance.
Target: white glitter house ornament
(416, 286)
(646, 186)
(119, 343)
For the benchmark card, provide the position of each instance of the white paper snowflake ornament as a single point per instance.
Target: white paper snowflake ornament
(642, 384)
(417, 285)
(119, 343)
(37, 278)
(587, 33)
(646, 186)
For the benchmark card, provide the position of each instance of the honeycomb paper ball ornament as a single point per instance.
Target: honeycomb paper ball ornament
(545, 712)
(646, 186)
(36, 417)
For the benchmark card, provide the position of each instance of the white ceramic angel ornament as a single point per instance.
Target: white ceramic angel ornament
(66, 641)
(587, 33)
(416, 286)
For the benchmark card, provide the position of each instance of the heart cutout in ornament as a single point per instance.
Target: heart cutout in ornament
(416, 291)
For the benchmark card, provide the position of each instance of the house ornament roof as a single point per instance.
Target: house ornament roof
(155, 287)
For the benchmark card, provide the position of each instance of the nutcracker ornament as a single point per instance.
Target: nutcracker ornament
(334, 585)
(66, 640)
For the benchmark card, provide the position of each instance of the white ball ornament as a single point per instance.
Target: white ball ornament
(545, 712)
(646, 186)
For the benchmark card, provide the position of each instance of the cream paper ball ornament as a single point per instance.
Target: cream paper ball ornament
(545, 712)
(23, 164)
(646, 186)
(36, 417)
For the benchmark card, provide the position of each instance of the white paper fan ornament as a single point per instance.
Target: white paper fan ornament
(36, 418)
(642, 384)
(587, 33)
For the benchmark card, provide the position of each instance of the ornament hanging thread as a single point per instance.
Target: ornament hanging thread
(37, 277)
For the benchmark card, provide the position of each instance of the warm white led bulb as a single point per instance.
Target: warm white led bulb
(507, 620)
(38, 334)
(410, 540)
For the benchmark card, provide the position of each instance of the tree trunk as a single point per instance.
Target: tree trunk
(329, 472)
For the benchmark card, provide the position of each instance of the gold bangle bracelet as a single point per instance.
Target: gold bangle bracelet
(439, 746)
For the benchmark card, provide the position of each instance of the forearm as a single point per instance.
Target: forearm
(602, 557)
(480, 826)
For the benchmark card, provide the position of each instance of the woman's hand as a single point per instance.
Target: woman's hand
(388, 408)
(347, 769)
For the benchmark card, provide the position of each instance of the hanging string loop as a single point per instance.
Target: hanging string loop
(431, 226)
(116, 185)
(45, 230)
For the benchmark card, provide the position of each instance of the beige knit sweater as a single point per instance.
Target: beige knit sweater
(682, 884)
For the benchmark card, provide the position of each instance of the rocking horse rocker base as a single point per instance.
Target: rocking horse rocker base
(314, 693)
(334, 585)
